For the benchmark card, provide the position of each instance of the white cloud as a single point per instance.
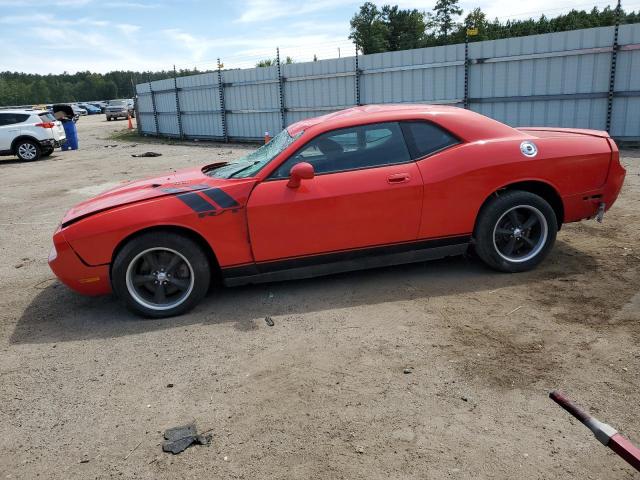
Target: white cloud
(196, 46)
(127, 28)
(74, 4)
(264, 10)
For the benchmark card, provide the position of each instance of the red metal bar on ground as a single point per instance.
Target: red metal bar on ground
(606, 434)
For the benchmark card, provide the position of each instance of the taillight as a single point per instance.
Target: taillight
(46, 124)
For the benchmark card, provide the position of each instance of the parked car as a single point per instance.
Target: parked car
(100, 105)
(119, 109)
(79, 110)
(91, 109)
(361, 188)
(29, 134)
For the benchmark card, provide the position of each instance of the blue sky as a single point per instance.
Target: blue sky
(51, 36)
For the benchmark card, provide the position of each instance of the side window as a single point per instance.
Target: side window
(365, 146)
(425, 138)
(11, 118)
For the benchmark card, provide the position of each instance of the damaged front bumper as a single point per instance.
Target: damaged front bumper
(74, 272)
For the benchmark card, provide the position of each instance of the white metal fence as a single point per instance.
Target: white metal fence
(583, 78)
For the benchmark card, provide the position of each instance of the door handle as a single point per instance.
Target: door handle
(398, 178)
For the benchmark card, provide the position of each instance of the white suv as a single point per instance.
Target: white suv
(29, 134)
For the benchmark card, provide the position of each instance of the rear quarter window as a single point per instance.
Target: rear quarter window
(47, 117)
(425, 138)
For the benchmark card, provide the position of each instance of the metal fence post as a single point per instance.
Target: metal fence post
(153, 105)
(136, 109)
(280, 90)
(357, 73)
(178, 112)
(612, 71)
(223, 108)
(466, 72)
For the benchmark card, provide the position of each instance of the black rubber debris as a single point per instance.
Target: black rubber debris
(269, 321)
(178, 439)
(146, 154)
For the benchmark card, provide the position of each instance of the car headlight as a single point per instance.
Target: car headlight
(53, 254)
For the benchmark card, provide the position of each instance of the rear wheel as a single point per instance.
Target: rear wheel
(28, 150)
(515, 231)
(161, 274)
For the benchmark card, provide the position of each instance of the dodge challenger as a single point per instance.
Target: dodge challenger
(360, 188)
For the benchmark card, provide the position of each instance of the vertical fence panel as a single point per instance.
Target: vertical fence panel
(165, 101)
(200, 106)
(145, 118)
(625, 118)
(252, 102)
(557, 79)
(317, 88)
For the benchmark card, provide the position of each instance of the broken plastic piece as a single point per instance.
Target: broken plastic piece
(178, 439)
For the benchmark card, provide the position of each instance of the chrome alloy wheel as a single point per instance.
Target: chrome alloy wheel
(27, 151)
(520, 233)
(160, 278)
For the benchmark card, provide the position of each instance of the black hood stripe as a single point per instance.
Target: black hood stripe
(221, 198)
(196, 202)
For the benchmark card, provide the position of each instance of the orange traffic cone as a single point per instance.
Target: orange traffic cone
(130, 124)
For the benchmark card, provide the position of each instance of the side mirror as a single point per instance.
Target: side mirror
(300, 171)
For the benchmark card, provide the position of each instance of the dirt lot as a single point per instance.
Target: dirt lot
(321, 394)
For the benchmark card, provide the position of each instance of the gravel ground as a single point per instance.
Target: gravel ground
(85, 386)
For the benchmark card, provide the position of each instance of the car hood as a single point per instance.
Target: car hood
(181, 181)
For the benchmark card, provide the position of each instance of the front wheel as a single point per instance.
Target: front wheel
(515, 231)
(161, 274)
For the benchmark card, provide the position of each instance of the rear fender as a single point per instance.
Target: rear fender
(22, 138)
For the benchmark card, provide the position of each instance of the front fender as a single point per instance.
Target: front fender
(96, 237)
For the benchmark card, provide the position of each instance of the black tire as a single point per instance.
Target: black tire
(27, 150)
(47, 152)
(515, 231)
(177, 262)
(108, 119)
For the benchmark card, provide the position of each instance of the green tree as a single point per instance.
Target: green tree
(369, 30)
(405, 28)
(270, 62)
(445, 12)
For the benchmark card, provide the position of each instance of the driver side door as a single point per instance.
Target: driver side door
(366, 192)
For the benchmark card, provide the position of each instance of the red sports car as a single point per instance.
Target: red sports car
(360, 188)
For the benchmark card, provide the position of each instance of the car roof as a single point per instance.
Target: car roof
(22, 110)
(465, 124)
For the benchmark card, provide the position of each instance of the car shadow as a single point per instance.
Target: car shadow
(14, 161)
(57, 314)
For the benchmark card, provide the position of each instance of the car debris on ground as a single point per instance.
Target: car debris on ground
(146, 154)
(178, 439)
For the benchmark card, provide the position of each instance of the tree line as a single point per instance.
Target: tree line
(373, 29)
(28, 88)
(390, 28)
